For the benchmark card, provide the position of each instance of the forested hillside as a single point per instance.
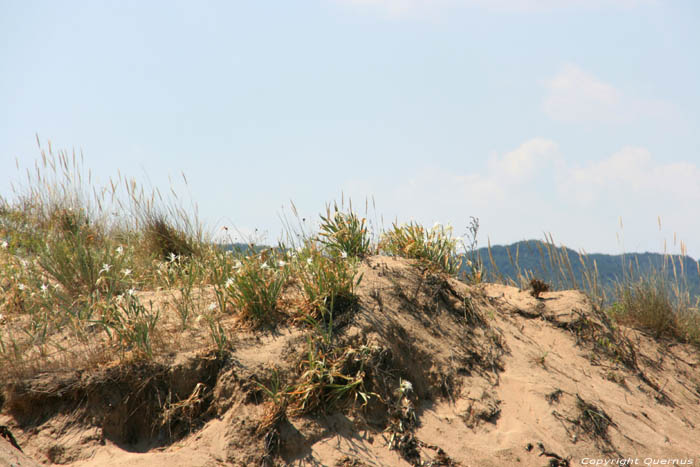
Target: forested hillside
(564, 268)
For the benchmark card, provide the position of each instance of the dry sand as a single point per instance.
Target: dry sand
(498, 378)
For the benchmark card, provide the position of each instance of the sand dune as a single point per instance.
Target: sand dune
(495, 378)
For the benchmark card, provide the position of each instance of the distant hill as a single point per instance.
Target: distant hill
(549, 263)
(558, 265)
(243, 248)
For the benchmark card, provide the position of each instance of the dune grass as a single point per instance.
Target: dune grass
(654, 300)
(436, 247)
(76, 260)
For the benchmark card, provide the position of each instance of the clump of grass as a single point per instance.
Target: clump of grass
(80, 263)
(133, 326)
(219, 337)
(255, 286)
(327, 281)
(331, 377)
(538, 286)
(344, 233)
(275, 415)
(593, 420)
(165, 241)
(648, 304)
(436, 247)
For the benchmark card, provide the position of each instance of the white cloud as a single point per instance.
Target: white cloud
(575, 95)
(636, 186)
(534, 188)
(632, 176)
(504, 174)
(521, 163)
(442, 192)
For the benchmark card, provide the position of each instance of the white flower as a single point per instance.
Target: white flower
(308, 261)
(282, 263)
(3, 245)
(105, 268)
(265, 266)
(120, 251)
(130, 292)
(21, 286)
(44, 288)
(229, 283)
(212, 306)
(406, 386)
(237, 265)
(343, 254)
(126, 272)
(172, 257)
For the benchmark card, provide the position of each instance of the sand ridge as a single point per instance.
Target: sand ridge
(498, 378)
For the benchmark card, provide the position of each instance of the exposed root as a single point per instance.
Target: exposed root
(7, 434)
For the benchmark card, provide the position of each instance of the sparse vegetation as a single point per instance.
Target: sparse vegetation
(649, 305)
(82, 289)
(658, 301)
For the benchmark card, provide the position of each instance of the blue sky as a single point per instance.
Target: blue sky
(532, 115)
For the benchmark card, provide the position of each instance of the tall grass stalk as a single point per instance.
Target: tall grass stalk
(657, 300)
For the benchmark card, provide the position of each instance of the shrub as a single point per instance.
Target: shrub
(538, 286)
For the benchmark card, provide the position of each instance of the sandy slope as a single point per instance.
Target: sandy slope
(498, 377)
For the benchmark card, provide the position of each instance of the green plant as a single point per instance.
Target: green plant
(164, 240)
(276, 391)
(344, 233)
(256, 285)
(330, 377)
(648, 304)
(541, 360)
(133, 326)
(218, 335)
(188, 274)
(472, 258)
(436, 246)
(327, 282)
